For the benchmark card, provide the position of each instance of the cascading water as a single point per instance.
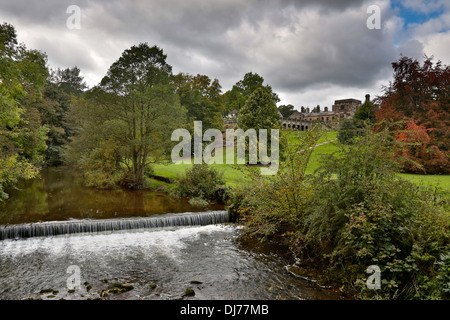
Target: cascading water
(54, 228)
(159, 264)
(116, 236)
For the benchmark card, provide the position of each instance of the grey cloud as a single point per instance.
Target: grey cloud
(411, 48)
(294, 45)
(39, 12)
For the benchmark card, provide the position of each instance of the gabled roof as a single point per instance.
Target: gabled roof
(296, 115)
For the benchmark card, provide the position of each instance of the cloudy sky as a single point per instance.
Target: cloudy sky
(311, 52)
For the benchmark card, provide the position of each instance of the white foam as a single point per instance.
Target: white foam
(166, 241)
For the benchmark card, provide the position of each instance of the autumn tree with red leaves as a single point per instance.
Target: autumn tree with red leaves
(419, 97)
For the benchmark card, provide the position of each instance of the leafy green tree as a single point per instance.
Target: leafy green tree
(242, 90)
(233, 100)
(52, 105)
(126, 122)
(259, 112)
(69, 80)
(22, 137)
(286, 110)
(202, 99)
(365, 114)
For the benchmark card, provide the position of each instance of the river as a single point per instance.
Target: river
(155, 263)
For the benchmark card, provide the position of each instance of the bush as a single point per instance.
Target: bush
(198, 202)
(148, 171)
(100, 172)
(354, 213)
(274, 206)
(347, 131)
(404, 239)
(362, 214)
(201, 181)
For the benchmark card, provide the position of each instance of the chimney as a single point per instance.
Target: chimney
(307, 110)
(318, 108)
(302, 109)
(367, 97)
(326, 109)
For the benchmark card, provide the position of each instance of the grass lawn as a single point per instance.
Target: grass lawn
(234, 177)
(440, 181)
(318, 153)
(327, 136)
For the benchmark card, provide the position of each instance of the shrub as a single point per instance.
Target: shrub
(405, 240)
(198, 202)
(201, 181)
(354, 213)
(99, 171)
(275, 206)
(362, 214)
(148, 171)
(347, 131)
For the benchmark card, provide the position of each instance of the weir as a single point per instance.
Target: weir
(54, 228)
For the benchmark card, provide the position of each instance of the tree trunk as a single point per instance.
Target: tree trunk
(138, 171)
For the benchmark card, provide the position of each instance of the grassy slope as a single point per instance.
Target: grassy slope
(440, 181)
(234, 177)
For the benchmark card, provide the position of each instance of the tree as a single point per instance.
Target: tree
(22, 137)
(365, 114)
(347, 131)
(419, 156)
(69, 80)
(286, 110)
(61, 88)
(415, 86)
(241, 91)
(125, 123)
(420, 93)
(202, 99)
(259, 112)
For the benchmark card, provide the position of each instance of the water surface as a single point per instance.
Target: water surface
(159, 264)
(59, 194)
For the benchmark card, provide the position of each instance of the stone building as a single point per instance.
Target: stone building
(346, 108)
(303, 119)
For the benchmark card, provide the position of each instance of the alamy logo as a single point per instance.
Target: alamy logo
(74, 280)
(74, 20)
(374, 20)
(258, 149)
(374, 280)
